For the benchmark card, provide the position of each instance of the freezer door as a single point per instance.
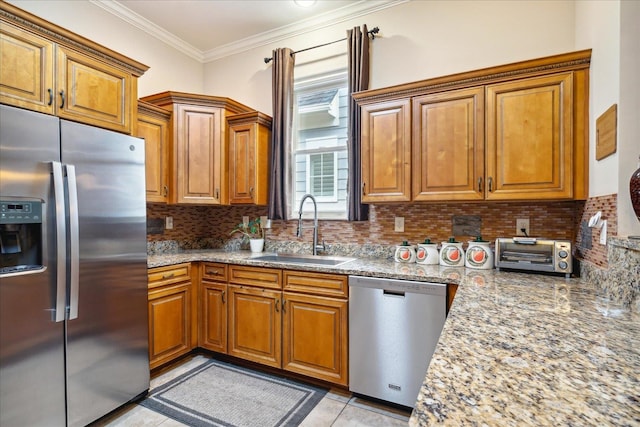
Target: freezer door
(107, 344)
(31, 341)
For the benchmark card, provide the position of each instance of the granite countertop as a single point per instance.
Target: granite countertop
(516, 349)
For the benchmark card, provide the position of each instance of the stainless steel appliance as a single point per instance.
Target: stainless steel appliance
(73, 273)
(394, 326)
(533, 254)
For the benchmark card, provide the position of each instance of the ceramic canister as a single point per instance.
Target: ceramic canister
(427, 252)
(451, 253)
(405, 253)
(479, 255)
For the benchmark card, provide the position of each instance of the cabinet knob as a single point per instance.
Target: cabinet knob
(480, 185)
(364, 193)
(165, 190)
(251, 192)
(490, 184)
(223, 300)
(217, 193)
(62, 99)
(50, 96)
(284, 301)
(277, 305)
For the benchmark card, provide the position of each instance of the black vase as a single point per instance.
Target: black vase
(634, 189)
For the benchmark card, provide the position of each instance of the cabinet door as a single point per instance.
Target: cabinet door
(315, 337)
(93, 92)
(448, 145)
(154, 128)
(529, 139)
(255, 322)
(26, 74)
(213, 328)
(169, 323)
(198, 154)
(386, 152)
(242, 164)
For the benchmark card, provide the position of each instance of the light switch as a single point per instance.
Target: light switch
(245, 221)
(399, 224)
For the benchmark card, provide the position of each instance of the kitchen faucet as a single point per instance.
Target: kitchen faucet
(316, 247)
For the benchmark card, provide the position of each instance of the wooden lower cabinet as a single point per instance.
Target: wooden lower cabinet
(255, 320)
(315, 340)
(171, 313)
(213, 307)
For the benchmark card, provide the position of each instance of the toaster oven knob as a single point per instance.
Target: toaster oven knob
(563, 265)
(563, 254)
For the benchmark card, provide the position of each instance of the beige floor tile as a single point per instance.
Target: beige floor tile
(178, 370)
(324, 414)
(132, 416)
(353, 416)
(380, 408)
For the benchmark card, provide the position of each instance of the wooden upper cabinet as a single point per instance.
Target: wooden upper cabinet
(386, 152)
(26, 74)
(154, 127)
(249, 143)
(199, 166)
(48, 69)
(511, 132)
(529, 139)
(448, 145)
(199, 155)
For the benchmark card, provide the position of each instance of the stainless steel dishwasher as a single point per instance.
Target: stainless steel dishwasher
(394, 326)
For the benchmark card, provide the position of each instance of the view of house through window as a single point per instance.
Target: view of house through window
(320, 145)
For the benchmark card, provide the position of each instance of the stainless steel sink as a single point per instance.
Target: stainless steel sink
(303, 259)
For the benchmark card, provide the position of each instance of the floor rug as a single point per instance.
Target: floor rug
(221, 394)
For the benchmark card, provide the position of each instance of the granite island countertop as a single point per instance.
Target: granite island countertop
(516, 349)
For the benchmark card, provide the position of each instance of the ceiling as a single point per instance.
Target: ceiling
(211, 29)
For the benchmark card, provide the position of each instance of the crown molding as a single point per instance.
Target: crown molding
(355, 10)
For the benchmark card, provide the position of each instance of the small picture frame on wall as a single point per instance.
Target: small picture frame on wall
(606, 132)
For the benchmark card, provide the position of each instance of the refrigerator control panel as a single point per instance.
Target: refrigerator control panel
(20, 212)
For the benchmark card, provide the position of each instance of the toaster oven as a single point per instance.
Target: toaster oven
(533, 254)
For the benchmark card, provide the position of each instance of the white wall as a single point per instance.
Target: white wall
(598, 27)
(418, 40)
(169, 69)
(628, 114)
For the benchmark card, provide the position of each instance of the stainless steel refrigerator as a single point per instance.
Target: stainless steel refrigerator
(73, 273)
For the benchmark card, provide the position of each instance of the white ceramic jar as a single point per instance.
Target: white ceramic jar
(452, 253)
(405, 253)
(479, 255)
(427, 252)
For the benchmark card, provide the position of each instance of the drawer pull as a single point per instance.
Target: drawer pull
(284, 301)
(213, 272)
(62, 99)
(277, 305)
(223, 300)
(480, 185)
(50, 97)
(168, 276)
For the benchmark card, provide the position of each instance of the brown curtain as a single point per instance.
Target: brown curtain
(281, 178)
(358, 80)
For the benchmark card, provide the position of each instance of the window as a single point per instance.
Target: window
(320, 144)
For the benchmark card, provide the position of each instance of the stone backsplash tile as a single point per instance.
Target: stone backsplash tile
(555, 220)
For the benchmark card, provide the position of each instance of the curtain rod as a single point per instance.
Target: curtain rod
(373, 33)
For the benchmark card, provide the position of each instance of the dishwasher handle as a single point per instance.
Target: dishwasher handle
(393, 293)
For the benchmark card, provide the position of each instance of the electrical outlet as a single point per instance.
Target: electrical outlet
(265, 222)
(245, 220)
(522, 223)
(399, 226)
(168, 223)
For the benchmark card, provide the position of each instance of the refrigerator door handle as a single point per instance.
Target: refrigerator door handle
(74, 242)
(61, 242)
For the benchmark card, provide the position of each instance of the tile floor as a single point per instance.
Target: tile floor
(337, 409)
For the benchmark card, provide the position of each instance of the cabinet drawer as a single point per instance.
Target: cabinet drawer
(161, 276)
(214, 271)
(256, 276)
(316, 283)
